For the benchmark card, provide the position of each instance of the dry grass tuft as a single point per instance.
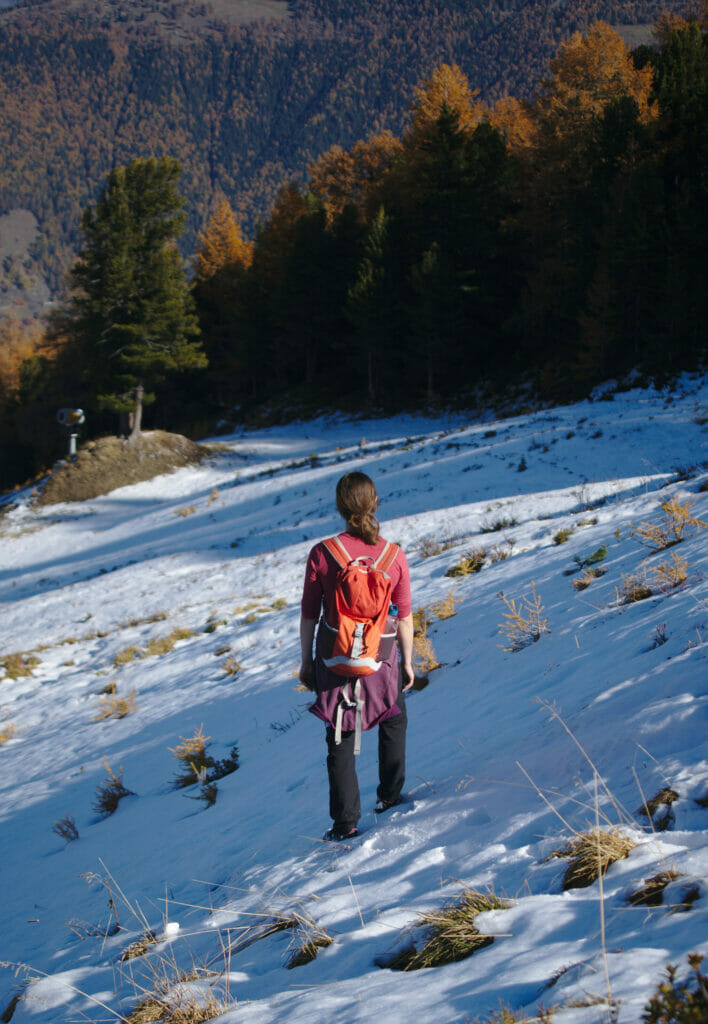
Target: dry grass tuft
(139, 947)
(231, 666)
(584, 581)
(505, 1015)
(524, 624)
(675, 520)
(127, 655)
(659, 810)
(310, 938)
(66, 829)
(164, 644)
(188, 1008)
(187, 510)
(18, 666)
(452, 934)
(110, 792)
(563, 535)
(7, 732)
(591, 854)
(113, 706)
(651, 894)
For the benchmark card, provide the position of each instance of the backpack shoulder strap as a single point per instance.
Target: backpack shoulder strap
(337, 550)
(387, 557)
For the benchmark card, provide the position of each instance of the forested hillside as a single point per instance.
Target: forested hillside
(245, 105)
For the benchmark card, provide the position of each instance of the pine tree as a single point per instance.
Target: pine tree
(131, 313)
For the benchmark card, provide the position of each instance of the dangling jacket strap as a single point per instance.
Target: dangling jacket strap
(347, 704)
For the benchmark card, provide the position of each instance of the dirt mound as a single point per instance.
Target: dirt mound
(102, 466)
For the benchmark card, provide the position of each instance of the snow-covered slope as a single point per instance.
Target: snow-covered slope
(501, 743)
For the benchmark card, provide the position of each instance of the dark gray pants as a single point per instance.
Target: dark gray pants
(344, 801)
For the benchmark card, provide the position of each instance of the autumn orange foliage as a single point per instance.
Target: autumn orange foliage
(222, 244)
(346, 177)
(18, 342)
(589, 71)
(446, 87)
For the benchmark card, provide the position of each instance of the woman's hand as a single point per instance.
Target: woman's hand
(306, 675)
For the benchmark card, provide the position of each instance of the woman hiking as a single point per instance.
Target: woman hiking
(348, 701)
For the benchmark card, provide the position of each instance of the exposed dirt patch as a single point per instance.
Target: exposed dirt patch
(102, 466)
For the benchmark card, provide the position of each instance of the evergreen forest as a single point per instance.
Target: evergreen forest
(542, 240)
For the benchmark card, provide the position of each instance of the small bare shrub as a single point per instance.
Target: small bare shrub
(421, 619)
(675, 520)
(500, 552)
(498, 524)
(651, 894)
(113, 706)
(591, 854)
(447, 607)
(524, 624)
(110, 792)
(199, 766)
(192, 754)
(187, 510)
(452, 934)
(660, 636)
(671, 574)
(635, 587)
(429, 547)
(470, 563)
(424, 659)
(677, 1002)
(231, 666)
(66, 829)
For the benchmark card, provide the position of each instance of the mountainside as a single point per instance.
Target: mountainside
(566, 697)
(244, 104)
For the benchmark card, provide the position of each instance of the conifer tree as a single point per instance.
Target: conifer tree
(223, 259)
(131, 313)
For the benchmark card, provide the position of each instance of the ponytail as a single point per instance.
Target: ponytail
(357, 502)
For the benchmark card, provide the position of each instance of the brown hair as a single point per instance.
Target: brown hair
(357, 502)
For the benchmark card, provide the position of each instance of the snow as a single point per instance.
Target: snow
(502, 751)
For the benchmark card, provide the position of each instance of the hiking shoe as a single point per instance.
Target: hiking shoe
(336, 835)
(385, 805)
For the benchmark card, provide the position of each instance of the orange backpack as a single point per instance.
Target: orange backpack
(357, 642)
